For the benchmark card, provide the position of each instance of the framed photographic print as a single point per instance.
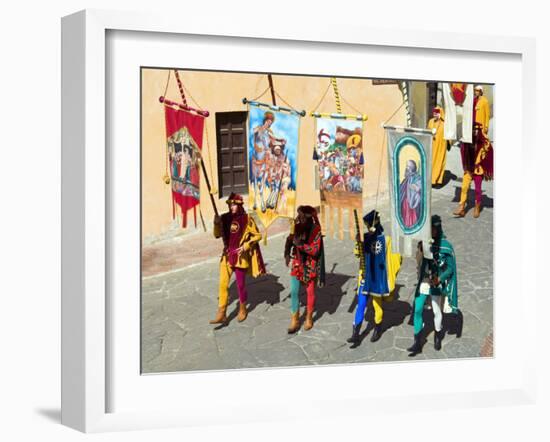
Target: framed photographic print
(247, 210)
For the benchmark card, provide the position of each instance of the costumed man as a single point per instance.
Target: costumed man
(241, 254)
(477, 162)
(482, 112)
(437, 278)
(305, 254)
(377, 278)
(439, 145)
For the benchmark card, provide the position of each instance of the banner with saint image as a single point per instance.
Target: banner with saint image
(409, 174)
(184, 140)
(272, 162)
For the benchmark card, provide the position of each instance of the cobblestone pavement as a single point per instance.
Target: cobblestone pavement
(177, 305)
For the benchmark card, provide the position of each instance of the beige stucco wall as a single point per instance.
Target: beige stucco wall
(223, 92)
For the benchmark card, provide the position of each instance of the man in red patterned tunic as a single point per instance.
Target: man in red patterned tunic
(304, 252)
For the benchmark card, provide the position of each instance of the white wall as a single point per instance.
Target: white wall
(30, 217)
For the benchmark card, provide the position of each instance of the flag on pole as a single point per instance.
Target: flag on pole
(272, 162)
(409, 163)
(184, 133)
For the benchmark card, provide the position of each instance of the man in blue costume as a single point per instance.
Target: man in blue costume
(437, 279)
(377, 278)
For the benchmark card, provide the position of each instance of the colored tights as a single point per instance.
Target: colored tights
(225, 276)
(466, 181)
(419, 308)
(295, 291)
(362, 301)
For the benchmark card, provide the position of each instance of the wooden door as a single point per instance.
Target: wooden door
(232, 143)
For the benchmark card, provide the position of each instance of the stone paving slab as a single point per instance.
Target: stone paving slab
(177, 304)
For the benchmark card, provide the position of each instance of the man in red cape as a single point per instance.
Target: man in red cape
(477, 162)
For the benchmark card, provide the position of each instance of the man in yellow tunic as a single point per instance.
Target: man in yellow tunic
(482, 110)
(241, 254)
(439, 145)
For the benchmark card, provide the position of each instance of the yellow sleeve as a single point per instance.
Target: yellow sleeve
(393, 264)
(483, 114)
(252, 234)
(486, 115)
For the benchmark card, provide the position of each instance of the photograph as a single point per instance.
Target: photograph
(300, 220)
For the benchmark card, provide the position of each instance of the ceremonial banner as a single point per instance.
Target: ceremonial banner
(184, 140)
(272, 162)
(459, 111)
(410, 169)
(339, 151)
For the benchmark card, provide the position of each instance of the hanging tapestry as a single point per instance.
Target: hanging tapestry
(184, 140)
(409, 162)
(272, 162)
(458, 99)
(339, 152)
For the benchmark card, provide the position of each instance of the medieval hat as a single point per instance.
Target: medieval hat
(310, 212)
(372, 221)
(235, 198)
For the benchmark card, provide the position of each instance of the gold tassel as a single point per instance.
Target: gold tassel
(265, 237)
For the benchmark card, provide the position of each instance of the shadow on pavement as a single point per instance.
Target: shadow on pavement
(448, 176)
(395, 313)
(327, 298)
(486, 202)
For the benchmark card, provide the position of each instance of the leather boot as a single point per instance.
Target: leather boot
(309, 320)
(294, 323)
(355, 335)
(438, 336)
(376, 333)
(417, 346)
(460, 210)
(220, 318)
(477, 210)
(242, 312)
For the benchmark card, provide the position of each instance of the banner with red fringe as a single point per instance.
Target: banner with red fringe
(184, 133)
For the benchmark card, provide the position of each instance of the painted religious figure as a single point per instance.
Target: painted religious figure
(410, 195)
(410, 186)
(184, 140)
(272, 153)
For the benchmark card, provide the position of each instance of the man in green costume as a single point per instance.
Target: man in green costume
(437, 279)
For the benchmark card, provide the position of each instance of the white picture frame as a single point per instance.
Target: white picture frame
(87, 314)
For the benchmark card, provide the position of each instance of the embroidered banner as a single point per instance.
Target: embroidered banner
(184, 139)
(409, 162)
(339, 152)
(459, 111)
(272, 162)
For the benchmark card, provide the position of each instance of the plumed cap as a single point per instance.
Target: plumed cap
(235, 198)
